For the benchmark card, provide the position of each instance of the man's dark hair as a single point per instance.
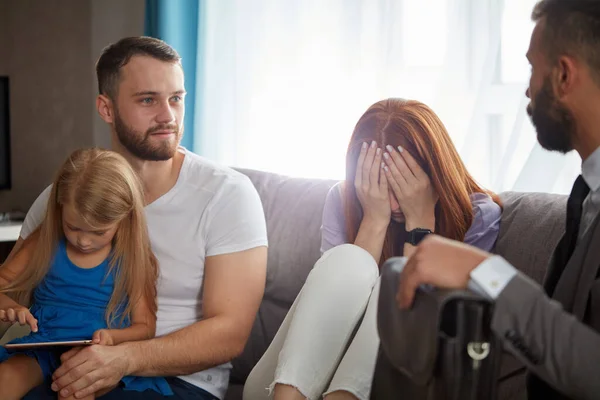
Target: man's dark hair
(572, 27)
(118, 54)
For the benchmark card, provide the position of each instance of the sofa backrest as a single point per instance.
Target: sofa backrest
(531, 225)
(293, 210)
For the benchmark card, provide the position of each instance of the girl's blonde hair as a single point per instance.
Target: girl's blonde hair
(103, 189)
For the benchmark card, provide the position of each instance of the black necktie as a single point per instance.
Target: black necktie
(566, 246)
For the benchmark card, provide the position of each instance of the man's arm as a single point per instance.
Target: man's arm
(142, 327)
(233, 288)
(551, 342)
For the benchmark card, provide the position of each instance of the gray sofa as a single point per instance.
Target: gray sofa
(532, 224)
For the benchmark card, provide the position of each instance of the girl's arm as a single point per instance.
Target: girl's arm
(15, 265)
(143, 326)
(6, 302)
(10, 310)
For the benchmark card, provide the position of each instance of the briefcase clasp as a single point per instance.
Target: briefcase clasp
(478, 351)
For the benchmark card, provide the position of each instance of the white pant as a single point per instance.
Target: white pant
(310, 351)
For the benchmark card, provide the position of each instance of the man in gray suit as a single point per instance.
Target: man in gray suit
(554, 330)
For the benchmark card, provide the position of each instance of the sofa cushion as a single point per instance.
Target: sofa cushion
(531, 227)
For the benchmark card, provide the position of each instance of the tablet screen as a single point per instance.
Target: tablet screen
(71, 343)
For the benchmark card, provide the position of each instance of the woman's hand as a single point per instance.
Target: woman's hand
(103, 337)
(412, 188)
(19, 314)
(372, 186)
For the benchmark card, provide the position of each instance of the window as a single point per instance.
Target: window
(285, 83)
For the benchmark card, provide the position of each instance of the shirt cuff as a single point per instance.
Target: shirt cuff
(491, 277)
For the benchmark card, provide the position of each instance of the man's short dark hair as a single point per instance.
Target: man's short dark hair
(572, 27)
(118, 54)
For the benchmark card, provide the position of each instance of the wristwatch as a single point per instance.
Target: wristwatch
(416, 235)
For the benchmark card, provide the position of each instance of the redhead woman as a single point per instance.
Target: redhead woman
(404, 180)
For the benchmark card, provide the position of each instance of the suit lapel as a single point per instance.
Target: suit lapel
(589, 271)
(572, 289)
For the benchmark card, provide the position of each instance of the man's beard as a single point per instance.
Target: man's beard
(553, 122)
(141, 146)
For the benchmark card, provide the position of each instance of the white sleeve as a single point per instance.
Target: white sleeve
(491, 277)
(36, 213)
(235, 219)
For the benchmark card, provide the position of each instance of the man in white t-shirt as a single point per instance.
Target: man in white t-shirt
(207, 229)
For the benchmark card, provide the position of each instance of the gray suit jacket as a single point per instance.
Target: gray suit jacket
(558, 339)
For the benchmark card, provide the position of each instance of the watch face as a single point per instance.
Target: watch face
(421, 235)
(417, 235)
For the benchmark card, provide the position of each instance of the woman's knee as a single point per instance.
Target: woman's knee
(347, 264)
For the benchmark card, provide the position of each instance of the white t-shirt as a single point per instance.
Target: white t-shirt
(211, 210)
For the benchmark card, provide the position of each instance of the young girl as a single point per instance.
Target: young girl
(89, 268)
(404, 179)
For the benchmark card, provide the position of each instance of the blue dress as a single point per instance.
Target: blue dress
(70, 304)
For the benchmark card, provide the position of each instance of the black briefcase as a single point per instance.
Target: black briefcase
(442, 348)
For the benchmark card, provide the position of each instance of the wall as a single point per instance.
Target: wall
(48, 49)
(111, 21)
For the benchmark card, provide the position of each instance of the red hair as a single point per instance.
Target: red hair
(418, 129)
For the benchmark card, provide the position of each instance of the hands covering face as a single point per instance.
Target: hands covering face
(382, 176)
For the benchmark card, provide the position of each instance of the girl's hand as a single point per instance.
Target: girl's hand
(372, 186)
(103, 337)
(19, 314)
(412, 187)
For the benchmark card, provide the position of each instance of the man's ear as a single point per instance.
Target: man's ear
(104, 105)
(566, 76)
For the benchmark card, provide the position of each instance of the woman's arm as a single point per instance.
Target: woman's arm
(371, 235)
(333, 222)
(485, 227)
(371, 232)
(143, 326)
(372, 192)
(413, 189)
(424, 223)
(371, 187)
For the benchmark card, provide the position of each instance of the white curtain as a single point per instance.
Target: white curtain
(284, 82)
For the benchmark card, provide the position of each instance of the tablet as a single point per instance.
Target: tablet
(71, 343)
